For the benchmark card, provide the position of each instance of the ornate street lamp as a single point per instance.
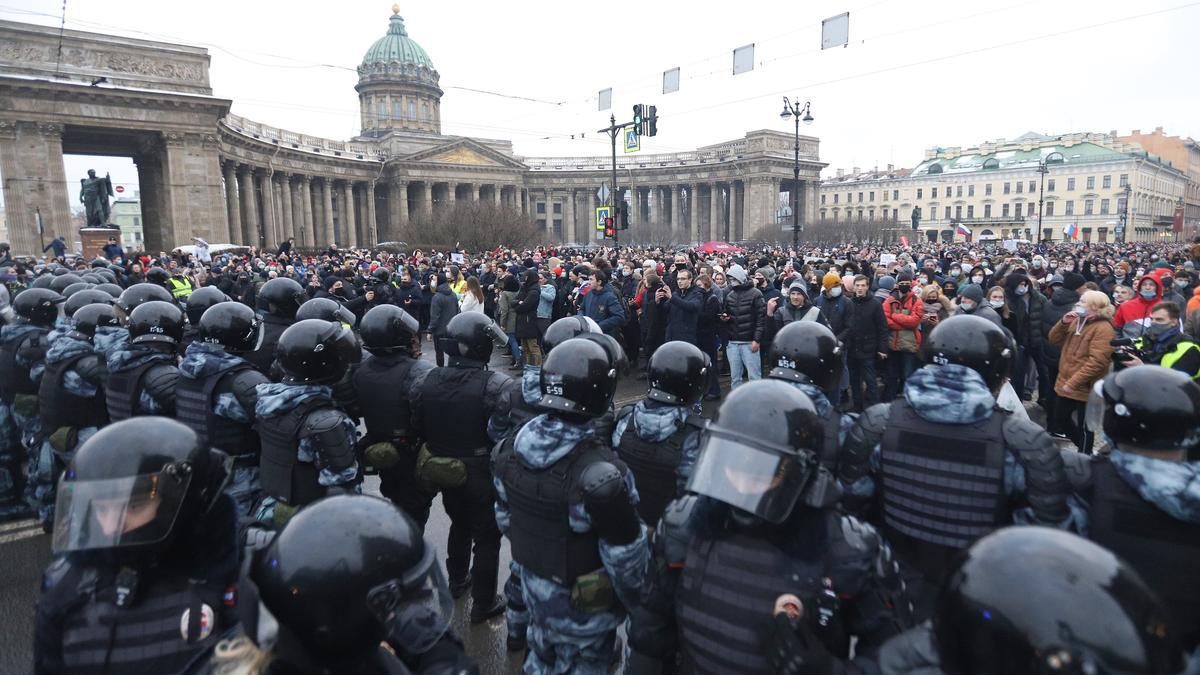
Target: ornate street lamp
(801, 113)
(1044, 168)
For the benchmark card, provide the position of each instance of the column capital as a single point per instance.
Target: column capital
(52, 129)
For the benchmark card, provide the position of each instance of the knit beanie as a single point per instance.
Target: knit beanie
(1073, 281)
(830, 280)
(887, 283)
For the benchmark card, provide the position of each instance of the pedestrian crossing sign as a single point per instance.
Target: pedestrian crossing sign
(633, 140)
(602, 214)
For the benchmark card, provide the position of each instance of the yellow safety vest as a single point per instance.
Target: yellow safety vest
(180, 288)
(1170, 358)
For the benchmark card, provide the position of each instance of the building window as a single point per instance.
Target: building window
(987, 210)
(958, 191)
(1070, 184)
(412, 110)
(1020, 187)
(860, 215)
(958, 213)
(860, 198)
(835, 197)
(1033, 186)
(871, 216)
(541, 223)
(558, 208)
(1120, 205)
(822, 214)
(933, 193)
(947, 213)
(396, 112)
(932, 211)
(1070, 210)
(1029, 210)
(1004, 210)
(895, 194)
(919, 190)
(1087, 206)
(1049, 209)
(425, 111)
(1091, 182)
(1124, 180)
(137, 221)
(971, 190)
(849, 197)
(822, 201)
(541, 208)
(1106, 183)
(987, 189)
(380, 110)
(1050, 185)
(1007, 188)
(834, 217)
(895, 213)
(558, 226)
(970, 211)
(1104, 205)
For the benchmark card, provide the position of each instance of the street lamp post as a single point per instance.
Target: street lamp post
(1044, 168)
(794, 110)
(1125, 214)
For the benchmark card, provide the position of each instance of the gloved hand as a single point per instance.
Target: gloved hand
(607, 499)
(792, 649)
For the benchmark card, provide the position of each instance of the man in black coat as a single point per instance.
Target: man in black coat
(528, 331)
(682, 306)
(442, 308)
(866, 341)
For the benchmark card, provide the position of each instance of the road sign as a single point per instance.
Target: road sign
(633, 140)
(603, 192)
(603, 213)
(120, 189)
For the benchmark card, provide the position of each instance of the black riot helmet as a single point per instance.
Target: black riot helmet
(233, 326)
(347, 573)
(283, 296)
(760, 454)
(200, 300)
(141, 293)
(84, 298)
(38, 306)
(60, 283)
(313, 351)
(1028, 600)
(806, 351)
(386, 329)
(156, 322)
(157, 275)
(110, 288)
(92, 278)
(86, 319)
(106, 275)
(99, 263)
(136, 486)
(75, 288)
(578, 378)
(678, 373)
(566, 328)
(326, 310)
(1148, 408)
(616, 353)
(974, 342)
(382, 275)
(42, 281)
(472, 335)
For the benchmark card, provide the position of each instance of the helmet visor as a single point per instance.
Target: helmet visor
(1094, 415)
(760, 481)
(415, 610)
(497, 334)
(118, 512)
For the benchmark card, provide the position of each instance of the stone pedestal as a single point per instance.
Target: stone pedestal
(94, 239)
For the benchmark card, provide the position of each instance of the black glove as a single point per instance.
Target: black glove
(792, 649)
(607, 501)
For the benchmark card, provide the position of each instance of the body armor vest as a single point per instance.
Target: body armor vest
(654, 465)
(262, 358)
(539, 513)
(519, 412)
(60, 408)
(123, 389)
(14, 378)
(170, 622)
(1164, 551)
(727, 594)
(382, 384)
(943, 486)
(832, 447)
(283, 476)
(195, 401)
(455, 412)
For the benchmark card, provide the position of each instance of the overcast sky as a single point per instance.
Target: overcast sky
(916, 74)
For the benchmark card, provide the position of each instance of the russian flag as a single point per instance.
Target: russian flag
(964, 230)
(1071, 231)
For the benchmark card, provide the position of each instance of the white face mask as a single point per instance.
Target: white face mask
(996, 304)
(977, 279)
(835, 291)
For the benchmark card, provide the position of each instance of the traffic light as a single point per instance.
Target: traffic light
(609, 231)
(651, 121)
(638, 117)
(623, 215)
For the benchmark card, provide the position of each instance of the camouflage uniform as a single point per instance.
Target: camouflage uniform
(563, 639)
(25, 427)
(127, 356)
(656, 422)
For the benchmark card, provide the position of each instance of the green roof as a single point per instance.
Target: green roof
(396, 46)
(1011, 159)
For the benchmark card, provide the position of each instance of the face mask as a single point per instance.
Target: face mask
(1158, 330)
(1120, 274)
(1081, 311)
(835, 291)
(1053, 265)
(1167, 282)
(977, 279)
(626, 272)
(1149, 295)
(967, 306)
(903, 288)
(1037, 263)
(996, 304)
(1022, 290)
(954, 271)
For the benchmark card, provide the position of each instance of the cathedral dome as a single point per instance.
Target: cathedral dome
(397, 46)
(398, 85)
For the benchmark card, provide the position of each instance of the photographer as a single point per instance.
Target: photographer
(1164, 344)
(1084, 335)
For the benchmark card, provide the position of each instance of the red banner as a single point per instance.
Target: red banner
(904, 241)
(1177, 225)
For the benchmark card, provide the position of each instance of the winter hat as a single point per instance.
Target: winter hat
(830, 280)
(1054, 279)
(738, 274)
(904, 278)
(887, 283)
(1073, 281)
(1162, 264)
(798, 287)
(768, 273)
(1125, 266)
(971, 292)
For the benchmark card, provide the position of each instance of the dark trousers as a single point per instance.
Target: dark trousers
(471, 508)
(1045, 383)
(400, 486)
(862, 376)
(1071, 416)
(438, 354)
(709, 347)
(900, 366)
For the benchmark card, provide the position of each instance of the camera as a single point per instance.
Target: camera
(1123, 350)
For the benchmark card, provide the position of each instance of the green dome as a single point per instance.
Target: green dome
(397, 46)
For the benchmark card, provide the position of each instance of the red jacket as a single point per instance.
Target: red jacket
(1138, 308)
(904, 320)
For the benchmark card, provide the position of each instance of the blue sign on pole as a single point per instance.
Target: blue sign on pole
(633, 140)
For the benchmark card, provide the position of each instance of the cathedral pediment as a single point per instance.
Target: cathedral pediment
(464, 152)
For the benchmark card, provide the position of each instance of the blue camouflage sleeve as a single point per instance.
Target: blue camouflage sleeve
(228, 406)
(76, 385)
(502, 514)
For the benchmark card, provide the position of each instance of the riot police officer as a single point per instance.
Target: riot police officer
(217, 392)
(948, 430)
(108, 340)
(308, 443)
(71, 396)
(282, 297)
(809, 356)
(12, 454)
(146, 555)
(762, 529)
(384, 385)
(344, 576)
(1037, 600)
(1138, 499)
(566, 503)
(197, 303)
(658, 437)
(524, 398)
(325, 309)
(457, 411)
(142, 374)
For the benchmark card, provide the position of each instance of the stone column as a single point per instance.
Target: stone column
(249, 205)
(496, 194)
(233, 207)
(737, 209)
(296, 209)
(326, 231)
(714, 231)
(451, 196)
(35, 181)
(306, 203)
(526, 208)
(427, 207)
(269, 238)
(349, 227)
(569, 233)
(287, 224)
(370, 233)
(549, 211)
(655, 207)
(750, 192)
(403, 199)
(692, 222)
(590, 230)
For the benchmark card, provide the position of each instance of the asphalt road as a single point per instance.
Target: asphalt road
(25, 552)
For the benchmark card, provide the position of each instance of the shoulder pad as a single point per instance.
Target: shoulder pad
(695, 421)
(321, 420)
(56, 571)
(91, 368)
(674, 530)
(874, 419)
(1021, 436)
(1078, 467)
(244, 383)
(33, 347)
(160, 380)
(858, 537)
(626, 409)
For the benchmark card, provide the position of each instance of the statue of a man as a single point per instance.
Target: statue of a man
(94, 193)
